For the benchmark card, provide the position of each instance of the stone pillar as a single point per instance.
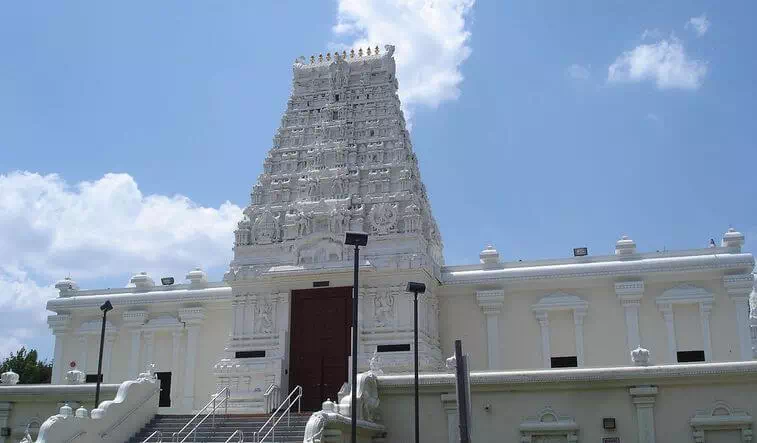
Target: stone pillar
(175, 365)
(133, 321)
(193, 318)
(110, 340)
(705, 310)
(546, 353)
(739, 287)
(643, 398)
(578, 319)
(60, 326)
(5, 412)
(135, 335)
(630, 294)
(449, 402)
(667, 315)
(491, 303)
(84, 350)
(149, 337)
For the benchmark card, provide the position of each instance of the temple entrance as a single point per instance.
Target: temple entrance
(320, 343)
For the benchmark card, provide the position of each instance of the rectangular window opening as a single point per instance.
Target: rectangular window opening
(393, 348)
(320, 284)
(92, 378)
(249, 354)
(690, 356)
(564, 362)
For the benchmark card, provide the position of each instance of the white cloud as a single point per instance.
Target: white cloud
(431, 40)
(651, 34)
(579, 72)
(700, 25)
(654, 117)
(95, 230)
(664, 62)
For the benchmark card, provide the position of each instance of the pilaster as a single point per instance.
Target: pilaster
(705, 312)
(630, 293)
(193, 318)
(643, 397)
(449, 403)
(491, 303)
(578, 319)
(132, 322)
(667, 315)
(149, 339)
(546, 353)
(739, 287)
(5, 412)
(83, 353)
(175, 365)
(110, 340)
(60, 325)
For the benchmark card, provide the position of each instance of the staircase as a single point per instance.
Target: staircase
(225, 426)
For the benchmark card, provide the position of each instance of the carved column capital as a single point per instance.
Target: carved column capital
(60, 323)
(192, 316)
(134, 319)
(630, 292)
(491, 301)
(739, 286)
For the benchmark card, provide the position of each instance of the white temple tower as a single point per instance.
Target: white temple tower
(341, 160)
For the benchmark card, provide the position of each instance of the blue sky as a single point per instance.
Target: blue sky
(545, 125)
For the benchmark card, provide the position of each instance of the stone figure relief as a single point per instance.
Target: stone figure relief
(266, 228)
(383, 308)
(383, 218)
(313, 189)
(303, 225)
(264, 317)
(412, 218)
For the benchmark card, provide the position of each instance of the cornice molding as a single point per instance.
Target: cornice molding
(621, 376)
(611, 267)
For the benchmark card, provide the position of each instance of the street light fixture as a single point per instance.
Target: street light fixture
(416, 288)
(355, 239)
(105, 308)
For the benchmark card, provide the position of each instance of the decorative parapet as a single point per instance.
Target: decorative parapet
(197, 278)
(135, 404)
(625, 247)
(733, 239)
(142, 281)
(332, 423)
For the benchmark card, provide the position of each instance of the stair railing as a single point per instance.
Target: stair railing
(240, 438)
(211, 408)
(158, 433)
(283, 409)
(272, 397)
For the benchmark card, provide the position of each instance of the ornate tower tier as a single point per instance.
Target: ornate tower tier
(341, 160)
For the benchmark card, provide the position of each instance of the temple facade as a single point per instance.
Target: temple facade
(342, 160)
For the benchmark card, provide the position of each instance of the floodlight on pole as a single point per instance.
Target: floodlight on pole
(416, 288)
(355, 239)
(105, 307)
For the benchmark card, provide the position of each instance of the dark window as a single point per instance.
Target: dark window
(371, 132)
(249, 354)
(564, 362)
(336, 97)
(393, 348)
(320, 284)
(690, 356)
(92, 378)
(335, 115)
(164, 400)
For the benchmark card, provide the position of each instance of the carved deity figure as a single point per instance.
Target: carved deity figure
(257, 195)
(337, 187)
(313, 189)
(264, 323)
(336, 222)
(383, 309)
(303, 225)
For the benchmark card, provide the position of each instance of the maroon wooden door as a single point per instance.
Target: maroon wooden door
(320, 343)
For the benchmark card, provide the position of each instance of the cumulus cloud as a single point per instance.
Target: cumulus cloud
(664, 62)
(578, 72)
(700, 25)
(431, 38)
(95, 230)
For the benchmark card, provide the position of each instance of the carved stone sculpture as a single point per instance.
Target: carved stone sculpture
(9, 378)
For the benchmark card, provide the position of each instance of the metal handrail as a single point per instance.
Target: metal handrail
(289, 402)
(160, 437)
(240, 439)
(272, 396)
(225, 392)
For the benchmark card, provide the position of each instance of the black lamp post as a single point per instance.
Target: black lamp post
(416, 288)
(105, 308)
(355, 239)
